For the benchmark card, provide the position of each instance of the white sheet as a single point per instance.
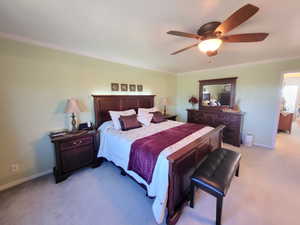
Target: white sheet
(116, 144)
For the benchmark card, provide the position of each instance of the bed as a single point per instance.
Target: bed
(171, 178)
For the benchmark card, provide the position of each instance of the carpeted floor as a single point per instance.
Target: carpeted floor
(266, 193)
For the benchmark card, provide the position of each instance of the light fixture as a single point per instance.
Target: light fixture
(73, 107)
(209, 45)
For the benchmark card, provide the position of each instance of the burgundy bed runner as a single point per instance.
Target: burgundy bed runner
(145, 151)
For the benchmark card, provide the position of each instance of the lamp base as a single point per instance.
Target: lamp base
(165, 110)
(74, 129)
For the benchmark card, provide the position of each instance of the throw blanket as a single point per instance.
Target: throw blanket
(145, 151)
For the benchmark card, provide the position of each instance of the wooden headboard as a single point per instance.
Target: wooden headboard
(104, 103)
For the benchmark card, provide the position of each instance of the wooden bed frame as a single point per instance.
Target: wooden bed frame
(182, 163)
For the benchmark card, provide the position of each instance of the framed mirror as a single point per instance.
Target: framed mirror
(217, 93)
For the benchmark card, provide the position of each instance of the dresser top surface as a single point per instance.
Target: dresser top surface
(216, 111)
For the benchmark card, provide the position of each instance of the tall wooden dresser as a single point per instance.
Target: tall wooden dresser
(232, 120)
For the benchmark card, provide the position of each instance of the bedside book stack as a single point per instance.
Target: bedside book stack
(56, 135)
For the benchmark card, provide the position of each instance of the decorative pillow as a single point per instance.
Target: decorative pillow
(115, 115)
(129, 122)
(158, 117)
(147, 110)
(145, 119)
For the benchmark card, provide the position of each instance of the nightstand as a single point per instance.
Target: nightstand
(170, 117)
(74, 151)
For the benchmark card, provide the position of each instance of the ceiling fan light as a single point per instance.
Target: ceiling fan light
(209, 45)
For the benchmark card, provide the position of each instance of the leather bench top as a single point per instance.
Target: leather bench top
(217, 170)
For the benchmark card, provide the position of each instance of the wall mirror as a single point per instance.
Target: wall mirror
(217, 92)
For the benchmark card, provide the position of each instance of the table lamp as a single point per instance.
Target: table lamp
(164, 102)
(72, 107)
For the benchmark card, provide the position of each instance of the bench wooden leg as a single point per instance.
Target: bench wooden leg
(219, 210)
(237, 171)
(192, 194)
(123, 173)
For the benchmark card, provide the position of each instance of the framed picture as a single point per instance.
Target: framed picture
(124, 87)
(132, 87)
(139, 87)
(114, 86)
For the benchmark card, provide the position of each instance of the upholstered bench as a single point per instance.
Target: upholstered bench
(214, 176)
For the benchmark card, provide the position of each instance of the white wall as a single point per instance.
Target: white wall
(258, 93)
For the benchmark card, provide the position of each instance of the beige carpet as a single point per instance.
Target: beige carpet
(266, 193)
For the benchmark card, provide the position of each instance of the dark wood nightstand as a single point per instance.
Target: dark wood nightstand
(74, 151)
(170, 117)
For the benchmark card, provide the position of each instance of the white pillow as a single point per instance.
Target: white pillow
(115, 115)
(147, 110)
(145, 119)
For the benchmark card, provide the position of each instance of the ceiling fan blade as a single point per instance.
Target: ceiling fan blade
(184, 34)
(186, 48)
(251, 37)
(237, 18)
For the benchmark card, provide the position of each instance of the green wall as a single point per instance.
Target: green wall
(258, 91)
(35, 84)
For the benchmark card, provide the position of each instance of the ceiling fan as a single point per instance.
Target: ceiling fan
(210, 36)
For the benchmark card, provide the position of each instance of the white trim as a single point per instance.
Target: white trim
(276, 122)
(240, 65)
(277, 113)
(77, 52)
(22, 180)
(263, 146)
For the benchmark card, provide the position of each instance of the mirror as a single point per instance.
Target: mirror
(217, 92)
(216, 95)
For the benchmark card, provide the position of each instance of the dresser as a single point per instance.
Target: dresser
(74, 151)
(232, 120)
(285, 121)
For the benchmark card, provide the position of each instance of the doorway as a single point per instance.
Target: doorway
(289, 116)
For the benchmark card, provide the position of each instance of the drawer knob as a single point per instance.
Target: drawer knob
(77, 142)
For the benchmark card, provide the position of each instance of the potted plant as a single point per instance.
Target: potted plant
(193, 100)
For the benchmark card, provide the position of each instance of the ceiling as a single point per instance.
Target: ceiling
(134, 32)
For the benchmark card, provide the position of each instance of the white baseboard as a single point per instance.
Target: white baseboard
(22, 180)
(263, 146)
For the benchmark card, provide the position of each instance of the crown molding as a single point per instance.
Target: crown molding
(240, 65)
(90, 55)
(77, 52)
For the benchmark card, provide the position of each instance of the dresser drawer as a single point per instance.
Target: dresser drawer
(231, 136)
(214, 118)
(76, 143)
(76, 158)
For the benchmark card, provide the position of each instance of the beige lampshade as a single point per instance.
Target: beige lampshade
(164, 101)
(72, 106)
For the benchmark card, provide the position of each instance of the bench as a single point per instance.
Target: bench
(214, 176)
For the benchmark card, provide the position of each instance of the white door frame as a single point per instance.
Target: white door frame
(276, 119)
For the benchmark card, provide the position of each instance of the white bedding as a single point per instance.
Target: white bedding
(116, 144)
